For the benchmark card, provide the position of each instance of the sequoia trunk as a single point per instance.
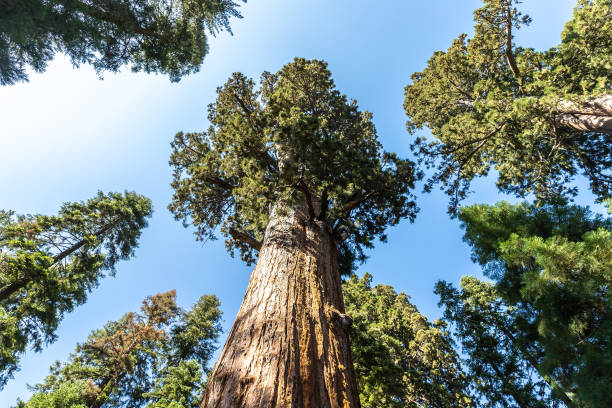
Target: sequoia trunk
(289, 344)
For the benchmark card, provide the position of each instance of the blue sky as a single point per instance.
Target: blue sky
(66, 134)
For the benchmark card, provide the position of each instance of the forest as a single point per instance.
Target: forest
(222, 204)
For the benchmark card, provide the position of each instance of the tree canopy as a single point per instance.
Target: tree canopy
(401, 359)
(536, 117)
(156, 358)
(295, 138)
(162, 36)
(48, 265)
(540, 333)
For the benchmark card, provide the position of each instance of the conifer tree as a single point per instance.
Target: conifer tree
(155, 358)
(401, 359)
(291, 173)
(539, 335)
(48, 265)
(162, 36)
(538, 118)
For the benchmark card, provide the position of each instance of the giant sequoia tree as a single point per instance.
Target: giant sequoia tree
(163, 36)
(290, 172)
(48, 265)
(540, 334)
(537, 117)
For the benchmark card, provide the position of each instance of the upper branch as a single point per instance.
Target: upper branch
(245, 237)
(303, 187)
(355, 200)
(509, 55)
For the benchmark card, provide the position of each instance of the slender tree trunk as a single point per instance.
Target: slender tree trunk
(289, 344)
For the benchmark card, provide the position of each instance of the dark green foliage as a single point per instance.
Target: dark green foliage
(530, 115)
(163, 36)
(155, 358)
(48, 265)
(401, 359)
(294, 139)
(543, 325)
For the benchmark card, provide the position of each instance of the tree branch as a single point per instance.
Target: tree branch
(324, 205)
(244, 237)
(592, 115)
(509, 55)
(220, 182)
(8, 290)
(303, 187)
(354, 202)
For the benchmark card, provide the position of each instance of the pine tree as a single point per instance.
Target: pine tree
(155, 358)
(292, 173)
(542, 329)
(162, 36)
(48, 265)
(536, 117)
(401, 359)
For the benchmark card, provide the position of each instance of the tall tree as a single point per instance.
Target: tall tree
(293, 172)
(537, 117)
(543, 328)
(163, 36)
(48, 265)
(157, 358)
(401, 359)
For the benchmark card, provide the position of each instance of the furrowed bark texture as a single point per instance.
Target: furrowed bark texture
(289, 344)
(594, 115)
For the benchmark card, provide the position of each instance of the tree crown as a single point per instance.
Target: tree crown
(48, 264)
(157, 357)
(295, 138)
(536, 117)
(150, 35)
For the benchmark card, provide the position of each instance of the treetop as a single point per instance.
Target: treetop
(538, 118)
(293, 138)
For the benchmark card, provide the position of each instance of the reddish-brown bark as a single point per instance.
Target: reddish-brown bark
(289, 344)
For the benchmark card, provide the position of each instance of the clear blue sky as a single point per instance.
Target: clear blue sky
(66, 134)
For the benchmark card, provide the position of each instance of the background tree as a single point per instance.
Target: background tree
(150, 35)
(154, 358)
(291, 171)
(48, 265)
(537, 117)
(401, 359)
(547, 314)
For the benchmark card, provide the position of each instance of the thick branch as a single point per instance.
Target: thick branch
(354, 202)
(220, 182)
(324, 205)
(509, 55)
(593, 115)
(244, 237)
(303, 187)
